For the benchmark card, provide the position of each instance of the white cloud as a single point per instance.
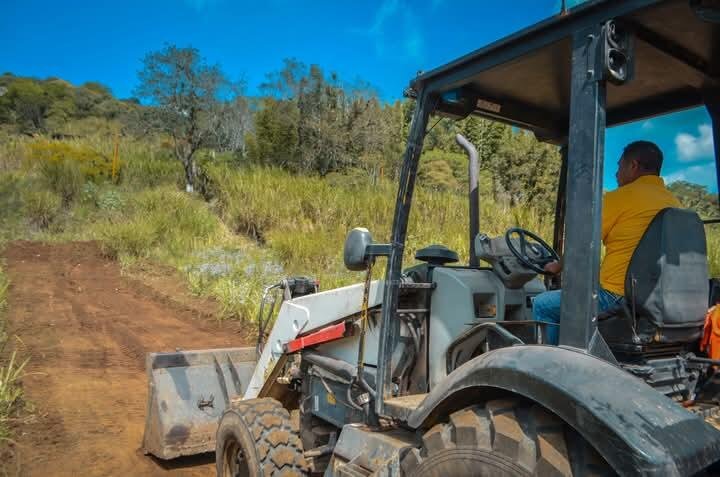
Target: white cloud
(692, 148)
(703, 174)
(395, 32)
(647, 126)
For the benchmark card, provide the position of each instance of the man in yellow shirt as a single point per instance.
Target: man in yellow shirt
(627, 212)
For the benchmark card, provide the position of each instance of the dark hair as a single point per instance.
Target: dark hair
(646, 153)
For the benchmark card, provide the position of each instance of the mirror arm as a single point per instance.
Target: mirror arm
(378, 250)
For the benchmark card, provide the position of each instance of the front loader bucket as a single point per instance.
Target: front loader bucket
(187, 394)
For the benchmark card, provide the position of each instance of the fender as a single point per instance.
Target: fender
(638, 430)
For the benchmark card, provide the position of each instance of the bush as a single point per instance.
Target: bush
(41, 206)
(63, 177)
(134, 238)
(66, 167)
(144, 171)
(164, 223)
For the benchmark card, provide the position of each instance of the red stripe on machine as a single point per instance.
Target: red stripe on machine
(329, 333)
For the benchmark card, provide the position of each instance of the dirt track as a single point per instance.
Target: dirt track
(86, 329)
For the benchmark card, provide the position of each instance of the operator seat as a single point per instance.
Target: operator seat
(666, 286)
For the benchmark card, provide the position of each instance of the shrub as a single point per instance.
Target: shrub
(10, 392)
(63, 177)
(41, 206)
(65, 167)
(163, 222)
(134, 238)
(148, 170)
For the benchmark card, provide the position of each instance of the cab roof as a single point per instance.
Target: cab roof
(524, 79)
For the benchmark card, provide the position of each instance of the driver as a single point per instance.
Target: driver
(626, 213)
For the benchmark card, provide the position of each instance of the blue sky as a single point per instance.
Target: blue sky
(384, 42)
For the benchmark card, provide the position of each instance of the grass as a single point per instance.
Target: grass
(304, 220)
(256, 226)
(11, 372)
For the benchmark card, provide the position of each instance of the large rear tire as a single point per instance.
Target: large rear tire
(504, 438)
(256, 438)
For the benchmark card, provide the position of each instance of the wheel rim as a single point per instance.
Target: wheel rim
(234, 463)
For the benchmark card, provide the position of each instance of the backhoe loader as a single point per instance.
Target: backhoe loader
(439, 368)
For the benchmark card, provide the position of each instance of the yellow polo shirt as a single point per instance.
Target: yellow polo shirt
(627, 212)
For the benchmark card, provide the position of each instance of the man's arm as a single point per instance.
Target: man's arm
(610, 213)
(553, 267)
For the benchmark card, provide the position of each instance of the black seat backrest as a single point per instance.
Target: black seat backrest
(667, 278)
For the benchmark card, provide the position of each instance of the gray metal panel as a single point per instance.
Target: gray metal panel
(187, 393)
(371, 450)
(452, 310)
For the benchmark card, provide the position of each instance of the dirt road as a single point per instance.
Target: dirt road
(86, 329)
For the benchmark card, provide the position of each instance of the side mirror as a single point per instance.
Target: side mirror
(356, 246)
(360, 250)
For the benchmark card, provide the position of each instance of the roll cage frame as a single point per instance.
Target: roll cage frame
(580, 134)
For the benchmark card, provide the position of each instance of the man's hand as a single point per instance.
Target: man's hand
(553, 267)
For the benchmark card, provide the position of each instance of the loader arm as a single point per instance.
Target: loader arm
(302, 315)
(188, 391)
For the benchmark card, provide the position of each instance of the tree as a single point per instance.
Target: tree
(696, 197)
(29, 103)
(186, 94)
(234, 123)
(525, 170)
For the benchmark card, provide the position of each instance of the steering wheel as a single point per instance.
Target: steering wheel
(542, 253)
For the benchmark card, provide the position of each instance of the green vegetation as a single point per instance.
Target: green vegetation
(279, 180)
(11, 372)
(54, 106)
(696, 197)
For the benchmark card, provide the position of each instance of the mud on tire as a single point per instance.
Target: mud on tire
(256, 438)
(510, 437)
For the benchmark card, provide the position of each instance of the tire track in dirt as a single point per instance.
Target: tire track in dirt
(87, 329)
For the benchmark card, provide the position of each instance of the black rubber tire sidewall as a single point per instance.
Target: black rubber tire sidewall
(468, 462)
(233, 429)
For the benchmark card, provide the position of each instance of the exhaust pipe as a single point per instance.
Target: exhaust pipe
(473, 194)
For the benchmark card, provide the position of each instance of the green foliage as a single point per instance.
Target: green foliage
(276, 136)
(46, 106)
(41, 206)
(64, 167)
(310, 122)
(190, 100)
(436, 173)
(11, 392)
(696, 197)
(151, 170)
(163, 223)
(11, 212)
(11, 371)
(304, 220)
(525, 172)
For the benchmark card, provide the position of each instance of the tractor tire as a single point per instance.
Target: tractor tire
(256, 438)
(503, 438)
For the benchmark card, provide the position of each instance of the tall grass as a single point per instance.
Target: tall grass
(11, 371)
(257, 225)
(304, 220)
(162, 223)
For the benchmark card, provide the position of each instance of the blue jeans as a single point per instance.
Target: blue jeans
(546, 307)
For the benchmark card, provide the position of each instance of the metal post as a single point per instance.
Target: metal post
(584, 191)
(390, 325)
(559, 226)
(712, 103)
(473, 195)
